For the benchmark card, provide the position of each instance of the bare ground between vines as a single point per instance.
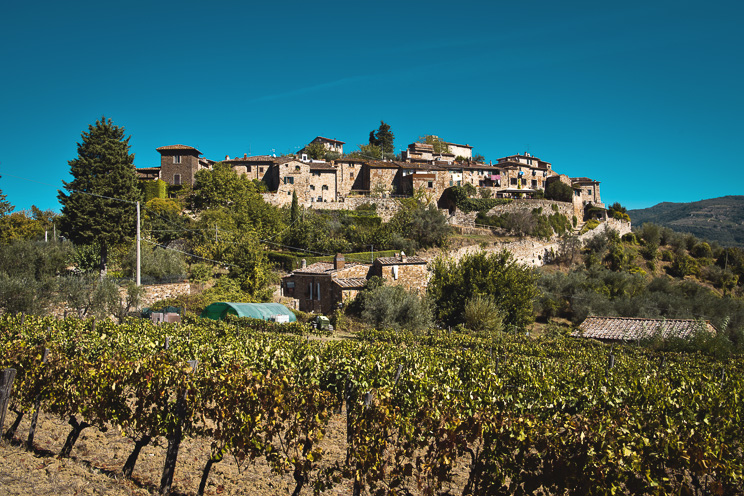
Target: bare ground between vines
(95, 465)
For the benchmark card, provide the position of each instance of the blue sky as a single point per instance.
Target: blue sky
(645, 97)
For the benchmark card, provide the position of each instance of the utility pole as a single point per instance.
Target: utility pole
(139, 258)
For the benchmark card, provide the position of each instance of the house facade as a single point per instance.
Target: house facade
(324, 286)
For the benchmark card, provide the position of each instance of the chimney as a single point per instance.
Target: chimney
(303, 263)
(227, 157)
(403, 257)
(338, 261)
(245, 155)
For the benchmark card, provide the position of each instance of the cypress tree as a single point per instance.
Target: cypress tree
(99, 206)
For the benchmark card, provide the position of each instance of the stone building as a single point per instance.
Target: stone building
(324, 286)
(587, 190)
(422, 172)
(179, 163)
(331, 145)
(410, 272)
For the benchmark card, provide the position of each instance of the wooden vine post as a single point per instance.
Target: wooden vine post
(37, 406)
(174, 439)
(7, 376)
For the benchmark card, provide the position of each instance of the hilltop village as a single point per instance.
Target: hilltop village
(337, 183)
(423, 170)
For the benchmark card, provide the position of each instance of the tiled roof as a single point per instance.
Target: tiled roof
(583, 180)
(148, 169)
(322, 167)
(322, 268)
(255, 158)
(397, 260)
(630, 329)
(329, 139)
(351, 282)
(177, 147)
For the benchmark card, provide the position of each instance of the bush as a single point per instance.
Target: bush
(394, 307)
(482, 314)
(591, 224)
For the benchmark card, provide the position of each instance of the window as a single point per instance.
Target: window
(260, 169)
(176, 179)
(312, 187)
(289, 180)
(176, 159)
(430, 184)
(325, 187)
(577, 192)
(290, 284)
(534, 183)
(589, 191)
(317, 291)
(351, 175)
(513, 181)
(316, 174)
(297, 168)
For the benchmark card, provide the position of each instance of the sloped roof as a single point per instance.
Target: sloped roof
(398, 261)
(323, 268)
(329, 140)
(177, 147)
(631, 329)
(351, 282)
(583, 180)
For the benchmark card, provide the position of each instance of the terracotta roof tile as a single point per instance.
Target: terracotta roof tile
(397, 260)
(177, 147)
(351, 282)
(323, 268)
(630, 329)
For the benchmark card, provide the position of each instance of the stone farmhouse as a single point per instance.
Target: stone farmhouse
(324, 286)
(420, 171)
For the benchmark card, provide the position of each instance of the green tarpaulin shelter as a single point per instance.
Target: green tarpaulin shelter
(263, 311)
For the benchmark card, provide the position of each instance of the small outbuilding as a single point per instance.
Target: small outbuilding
(275, 312)
(614, 329)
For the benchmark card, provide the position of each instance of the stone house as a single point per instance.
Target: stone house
(179, 163)
(324, 286)
(259, 167)
(587, 191)
(331, 145)
(410, 272)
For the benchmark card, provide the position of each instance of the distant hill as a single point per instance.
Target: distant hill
(717, 219)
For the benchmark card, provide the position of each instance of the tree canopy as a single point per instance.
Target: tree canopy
(559, 191)
(383, 139)
(440, 146)
(497, 275)
(99, 206)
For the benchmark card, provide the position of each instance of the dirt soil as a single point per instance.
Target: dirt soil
(95, 465)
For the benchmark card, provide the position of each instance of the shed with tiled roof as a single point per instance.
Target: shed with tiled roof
(634, 329)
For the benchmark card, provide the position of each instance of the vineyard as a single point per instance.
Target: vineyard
(505, 414)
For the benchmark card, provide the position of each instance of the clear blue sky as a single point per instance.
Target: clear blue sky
(645, 97)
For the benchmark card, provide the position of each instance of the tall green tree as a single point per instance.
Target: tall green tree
(383, 138)
(99, 206)
(512, 286)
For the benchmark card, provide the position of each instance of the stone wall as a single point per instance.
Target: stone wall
(386, 207)
(157, 292)
(564, 208)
